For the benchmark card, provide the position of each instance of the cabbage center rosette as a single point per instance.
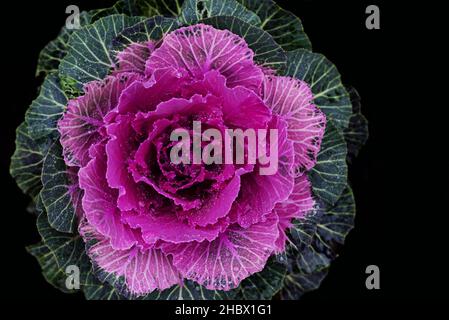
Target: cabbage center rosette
(154, 223)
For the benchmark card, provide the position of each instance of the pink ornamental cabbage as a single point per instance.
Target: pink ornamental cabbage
(155, 223)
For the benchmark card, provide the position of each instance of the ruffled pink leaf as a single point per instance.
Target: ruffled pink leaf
(259, 193)
(145, 95)
(223, 263)
(296, 206)
(100, 202)
(119, 149)
(219, 205)
(167, 227)
(200, 48)
(80, 126)
(107, 257)
(292, 99)
(144, 270)
(173, 107)
(150, 270)
(241, 108)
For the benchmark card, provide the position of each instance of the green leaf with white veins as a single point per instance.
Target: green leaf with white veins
(46, 109)
(55, 50)
(325, 81)
(267, 52)
(146, 8)
(26, 162)
(150, 8)
(329, 175)
(337, 220)
(88, 57)
(285, 28)
(302, 231)
(265, 284)
(296, 284)
(94, 289)
(308, 265)
(58, 193)
(68, 248)
(149, 29)
(189, 290)
(192, 11)
(50, 269)
(59, 250)
(356, 134)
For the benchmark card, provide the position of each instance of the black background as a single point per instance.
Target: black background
(393, 225)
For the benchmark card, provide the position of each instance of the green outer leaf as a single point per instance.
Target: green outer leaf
(46, 109)
(296, 284)
(265, 284)
(62, 250)
(146, 8)
(329, 93)
(193, 11)
(26, 162)
(88, 57)
(329, 175)
(39, 205)
(125, 7)
(267, 52)
(356, 134)
(150, 8)
(55, 50)
(50, 270)
(303, 230)
(55, 193)
(337, 220)
(68, 248)
(94, 289)
(189, 291)
(310, 259)
(285, 28)
(309, 265)
(57, 251)
(150, 29)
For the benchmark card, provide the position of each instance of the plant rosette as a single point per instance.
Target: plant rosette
(94, 153)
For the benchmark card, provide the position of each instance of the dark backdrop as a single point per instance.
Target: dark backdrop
(369, 60)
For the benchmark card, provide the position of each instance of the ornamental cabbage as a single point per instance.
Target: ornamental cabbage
(96, 153)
